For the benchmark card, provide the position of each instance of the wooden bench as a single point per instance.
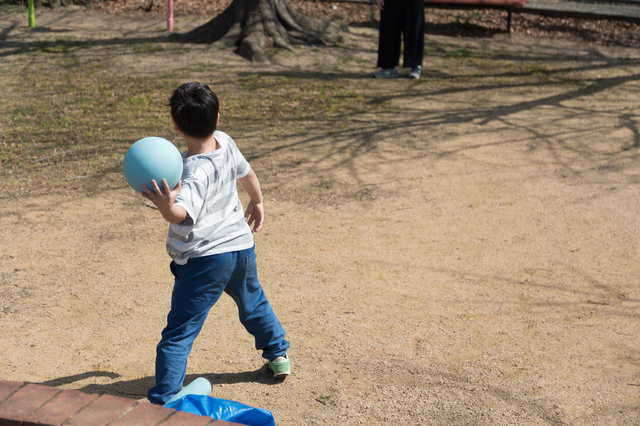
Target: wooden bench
(507, 5)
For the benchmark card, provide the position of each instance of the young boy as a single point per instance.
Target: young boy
(210, 242)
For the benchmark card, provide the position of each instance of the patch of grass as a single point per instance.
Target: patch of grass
(462, 53)
(147, 48)
(11, 8)
(70, 116)
(292, 99)
(60, 45)
(200, 67)
(76, 122)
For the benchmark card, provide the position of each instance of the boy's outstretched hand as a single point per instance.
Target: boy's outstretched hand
(254, 216)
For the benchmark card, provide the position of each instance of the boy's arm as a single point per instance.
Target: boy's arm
(255, 210)
(164, 201)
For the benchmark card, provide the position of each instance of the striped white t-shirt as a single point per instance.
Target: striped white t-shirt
(216, 222)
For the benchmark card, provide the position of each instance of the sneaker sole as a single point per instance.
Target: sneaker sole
(282, 375)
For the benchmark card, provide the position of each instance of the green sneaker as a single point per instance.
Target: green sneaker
(387, 73)
(280, 366)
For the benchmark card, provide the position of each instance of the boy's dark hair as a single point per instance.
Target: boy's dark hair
(194, 107)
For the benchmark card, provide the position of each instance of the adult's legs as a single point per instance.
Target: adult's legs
(254, 310)
(198, 286)
(390, 34)
(413, 33)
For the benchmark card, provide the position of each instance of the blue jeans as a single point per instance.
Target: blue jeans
(198, 286)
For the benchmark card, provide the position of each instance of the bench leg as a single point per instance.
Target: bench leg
(509, 20)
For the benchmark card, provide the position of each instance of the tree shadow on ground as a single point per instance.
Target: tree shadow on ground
(21, 47)
(347, 143)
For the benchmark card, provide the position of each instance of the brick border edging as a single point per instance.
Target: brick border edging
(27, 404)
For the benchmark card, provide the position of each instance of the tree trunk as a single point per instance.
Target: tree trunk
(255, 25)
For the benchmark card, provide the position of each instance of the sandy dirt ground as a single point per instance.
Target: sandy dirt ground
(472, 257)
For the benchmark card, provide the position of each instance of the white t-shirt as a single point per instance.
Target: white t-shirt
(209, 194)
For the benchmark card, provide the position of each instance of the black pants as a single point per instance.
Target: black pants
(401, 18)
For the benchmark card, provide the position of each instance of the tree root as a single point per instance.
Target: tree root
(265, 24)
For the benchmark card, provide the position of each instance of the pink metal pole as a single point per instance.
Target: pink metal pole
(169, 15)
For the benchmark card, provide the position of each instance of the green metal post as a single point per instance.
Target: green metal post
(32, 15)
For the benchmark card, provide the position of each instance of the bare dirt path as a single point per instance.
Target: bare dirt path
(465, 253)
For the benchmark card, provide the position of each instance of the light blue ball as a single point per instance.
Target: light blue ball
(150, 159)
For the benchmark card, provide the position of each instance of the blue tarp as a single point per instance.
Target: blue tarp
(223, 409)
